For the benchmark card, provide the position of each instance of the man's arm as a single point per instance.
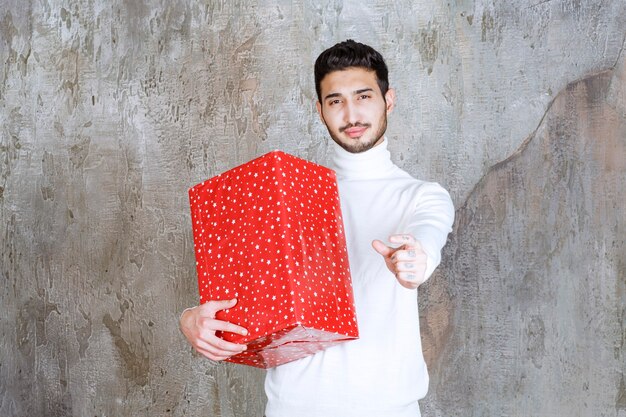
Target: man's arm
(199, 325)
(424, 236)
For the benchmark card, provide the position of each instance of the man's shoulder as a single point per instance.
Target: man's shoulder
(418, 187)
(402, 176)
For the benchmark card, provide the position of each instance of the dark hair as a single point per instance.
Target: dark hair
(348, 54)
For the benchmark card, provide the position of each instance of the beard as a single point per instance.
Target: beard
(361, 144)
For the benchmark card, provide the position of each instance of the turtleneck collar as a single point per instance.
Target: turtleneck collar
(371, 164)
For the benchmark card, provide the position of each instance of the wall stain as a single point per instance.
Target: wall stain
(11, 145)
(83, 334)
(620, 398)
(23, 62)
(490, 27)
(48, 171)
(66, 17)
(8, 32)
(34, 311)
(136, 361)
(538, 268)
(428, 46)
(535, 341)
(79, 151)
(7, 28)
(436, 313)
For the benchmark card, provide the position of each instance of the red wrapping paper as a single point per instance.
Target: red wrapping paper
(270, 234)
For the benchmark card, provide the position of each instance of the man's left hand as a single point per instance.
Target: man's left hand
(407, 262)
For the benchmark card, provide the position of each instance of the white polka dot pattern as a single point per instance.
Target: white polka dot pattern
(270, 234)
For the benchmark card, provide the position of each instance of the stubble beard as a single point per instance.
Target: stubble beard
(358, 146)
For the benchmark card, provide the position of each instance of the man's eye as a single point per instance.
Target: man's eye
(334, 102)
(364, 96)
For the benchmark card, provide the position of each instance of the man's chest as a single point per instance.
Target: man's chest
(373, 211)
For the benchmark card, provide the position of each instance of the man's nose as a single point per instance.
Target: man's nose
(352, 114)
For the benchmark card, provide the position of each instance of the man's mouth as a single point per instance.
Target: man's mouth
(355, 131)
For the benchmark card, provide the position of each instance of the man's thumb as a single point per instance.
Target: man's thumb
(381, 248)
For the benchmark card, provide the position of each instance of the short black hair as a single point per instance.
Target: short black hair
(348, 54)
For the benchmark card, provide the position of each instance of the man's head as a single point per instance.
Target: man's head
(351, 54)
(353, 93)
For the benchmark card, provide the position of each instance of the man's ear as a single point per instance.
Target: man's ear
(390, 100)
(318, 106)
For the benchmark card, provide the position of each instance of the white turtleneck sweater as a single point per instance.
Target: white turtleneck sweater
(382, 374)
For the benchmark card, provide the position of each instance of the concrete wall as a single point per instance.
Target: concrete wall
(110, 110)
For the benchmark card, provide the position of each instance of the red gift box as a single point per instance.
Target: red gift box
(270, 234)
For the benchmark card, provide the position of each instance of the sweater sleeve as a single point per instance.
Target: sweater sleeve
(431, 221)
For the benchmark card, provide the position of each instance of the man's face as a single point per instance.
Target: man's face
(354, 109)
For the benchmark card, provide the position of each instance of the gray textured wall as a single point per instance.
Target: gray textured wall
(110, 110)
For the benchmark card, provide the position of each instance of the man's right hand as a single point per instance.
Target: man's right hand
(199, 325)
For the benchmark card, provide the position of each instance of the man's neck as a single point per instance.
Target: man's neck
(373, 163)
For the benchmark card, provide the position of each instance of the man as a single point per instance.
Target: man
(382, 374)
